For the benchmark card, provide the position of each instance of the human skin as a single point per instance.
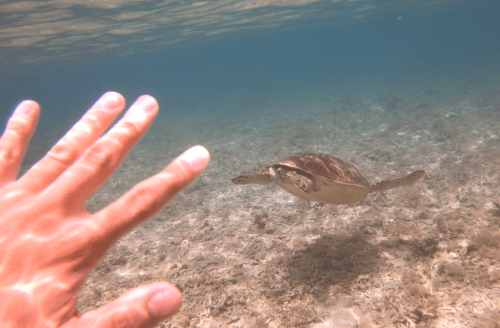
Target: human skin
(49, 243)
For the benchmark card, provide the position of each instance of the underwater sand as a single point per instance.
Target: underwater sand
(256, 256)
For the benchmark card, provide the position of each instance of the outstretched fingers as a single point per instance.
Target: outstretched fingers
(15, 139)
(100, 160)
(70, 147)
(151, 195)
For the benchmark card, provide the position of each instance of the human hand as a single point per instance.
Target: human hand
(49, 243)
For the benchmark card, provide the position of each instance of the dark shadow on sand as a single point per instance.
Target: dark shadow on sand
(334, 259)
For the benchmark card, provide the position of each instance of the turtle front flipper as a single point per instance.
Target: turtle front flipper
(252, 179)
(399, 182)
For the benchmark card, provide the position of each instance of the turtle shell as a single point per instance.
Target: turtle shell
(334, 181)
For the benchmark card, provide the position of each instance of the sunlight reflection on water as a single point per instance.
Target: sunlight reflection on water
(36, 31)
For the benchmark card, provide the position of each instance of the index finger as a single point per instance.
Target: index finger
(149, 196)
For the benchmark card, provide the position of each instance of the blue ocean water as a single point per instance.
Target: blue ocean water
(402, 45)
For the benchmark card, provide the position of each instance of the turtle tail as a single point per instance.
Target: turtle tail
(398, 182)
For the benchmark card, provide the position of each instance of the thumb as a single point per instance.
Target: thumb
(141, 307)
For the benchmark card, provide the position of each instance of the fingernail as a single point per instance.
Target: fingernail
(147, 103)
(197, 157)
(25, 108)
(165, 302)
(142, 110)
(111, 100)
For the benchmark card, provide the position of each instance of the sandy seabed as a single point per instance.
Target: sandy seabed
(255, 256)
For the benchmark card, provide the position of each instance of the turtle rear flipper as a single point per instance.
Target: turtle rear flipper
(252, 179)
(399, 182)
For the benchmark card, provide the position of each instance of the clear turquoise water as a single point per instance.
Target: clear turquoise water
(285, 53)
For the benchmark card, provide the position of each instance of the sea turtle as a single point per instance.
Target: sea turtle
(323, 178)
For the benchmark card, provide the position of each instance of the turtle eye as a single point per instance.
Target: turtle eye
(280, 173)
